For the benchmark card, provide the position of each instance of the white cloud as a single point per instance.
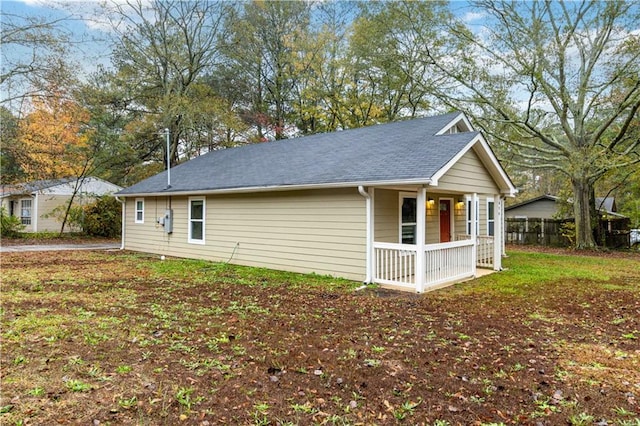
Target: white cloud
(470, 17)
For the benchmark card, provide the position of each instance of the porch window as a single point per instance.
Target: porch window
(139, 210)
(408, 221)
(491, 222)
(469, 204)
(196, 220)
(25, 212)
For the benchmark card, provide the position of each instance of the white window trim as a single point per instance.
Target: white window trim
(135, 209)
(22, 200)
(401, 197)
(204, 215)
(490, 200)
(467, 218)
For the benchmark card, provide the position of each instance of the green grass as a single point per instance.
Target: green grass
(527, 273)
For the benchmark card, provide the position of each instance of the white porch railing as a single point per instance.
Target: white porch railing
(395, 264)
(446, 262)
(484, 249)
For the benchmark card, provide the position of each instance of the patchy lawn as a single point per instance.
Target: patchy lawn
(123, 338)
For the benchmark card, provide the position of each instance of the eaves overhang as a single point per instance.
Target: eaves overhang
(273, 188)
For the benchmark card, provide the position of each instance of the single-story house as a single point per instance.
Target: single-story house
(34, 202)
(415, 204)
(548, 207)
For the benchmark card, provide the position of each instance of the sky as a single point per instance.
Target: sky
(89, 41)
(90, 36)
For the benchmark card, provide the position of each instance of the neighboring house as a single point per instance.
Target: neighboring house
(34, 202)
(389, 203)
(548, 207)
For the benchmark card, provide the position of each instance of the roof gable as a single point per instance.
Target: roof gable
(402, 152)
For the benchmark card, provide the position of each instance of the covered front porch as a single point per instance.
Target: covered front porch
(422, 239)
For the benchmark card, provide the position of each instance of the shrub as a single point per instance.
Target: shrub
(11, 225)
(103, 218)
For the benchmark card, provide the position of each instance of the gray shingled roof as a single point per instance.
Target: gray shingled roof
(406, 150)
(33, 186)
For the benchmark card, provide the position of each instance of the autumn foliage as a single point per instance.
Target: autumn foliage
(54, 139)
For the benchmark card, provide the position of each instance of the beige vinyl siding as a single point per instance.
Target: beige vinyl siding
(47, 203)
(387, 211)
(545, 209)
(386, 216)
(321, 231)
(468, 175)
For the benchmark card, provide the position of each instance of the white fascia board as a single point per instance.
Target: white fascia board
(274, 188)
(459, 117)
(488, 159)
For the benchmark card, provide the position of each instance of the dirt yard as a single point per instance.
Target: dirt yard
(97, 338)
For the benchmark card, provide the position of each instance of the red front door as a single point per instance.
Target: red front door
(445, 221)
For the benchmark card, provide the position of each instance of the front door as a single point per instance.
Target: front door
(445, 221)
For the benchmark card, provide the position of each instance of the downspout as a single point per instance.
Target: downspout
(368, 279)
(123, 202)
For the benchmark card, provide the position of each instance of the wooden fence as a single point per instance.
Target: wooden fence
(613, 233)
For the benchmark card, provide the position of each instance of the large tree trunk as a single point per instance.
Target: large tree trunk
(582, 193)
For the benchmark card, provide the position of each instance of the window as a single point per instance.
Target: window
(469, 204)
(491, 221)
(139, 210)
(408, 220)
(196, 220)
(25, 212)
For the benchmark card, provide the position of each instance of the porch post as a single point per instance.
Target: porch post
(498, 222)
(34, 213)
(421, 219)
(371, 234)
(474, 230)
(504, 227)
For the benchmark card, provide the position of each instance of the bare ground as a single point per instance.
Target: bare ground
(116, 338)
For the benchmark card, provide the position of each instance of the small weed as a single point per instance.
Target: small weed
(75, 360)
(184, 398)
(349, 354)
(37, 391)
(77, 386)
(372, 362)
(581, 419)
(19, 360)
(128, 403)
(306, 408)
(621, 411)
(123, 369)
(477, 399)
(377, 349)
(518, 367)
(407, 408)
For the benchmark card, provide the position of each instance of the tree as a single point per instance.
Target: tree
(265, 48)
(31, 48)
(563, 77)
(10, 168)
(56, 139)
(391, 71)
(163, 51)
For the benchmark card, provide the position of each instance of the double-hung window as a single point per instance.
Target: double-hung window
(491, 221)
(469, 207)
(196, 220)
(139, 210)
(25, 212)
(408, 220)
